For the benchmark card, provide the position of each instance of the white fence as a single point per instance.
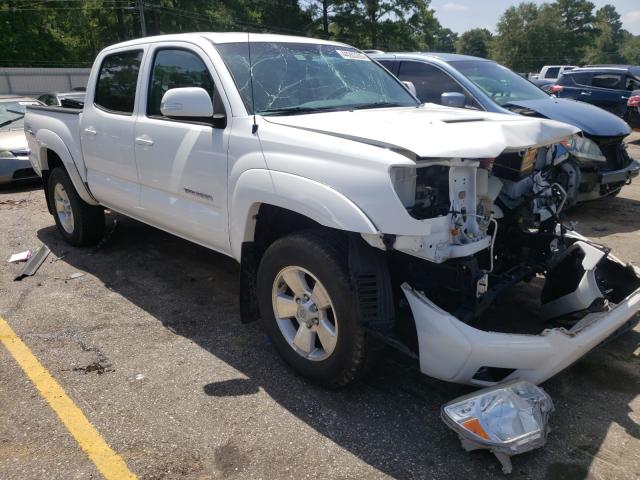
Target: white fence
(35, 81)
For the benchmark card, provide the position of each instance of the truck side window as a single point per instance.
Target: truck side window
(431, 82)
(117, 80)
(176, 69)
(552, 72)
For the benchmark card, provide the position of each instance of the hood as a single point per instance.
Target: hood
(13, 140)
(592, 120)
(433, 131)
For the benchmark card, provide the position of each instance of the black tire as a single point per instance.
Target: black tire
(324, 256)
(88, 220)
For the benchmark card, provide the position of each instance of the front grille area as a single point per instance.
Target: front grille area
(614, 151)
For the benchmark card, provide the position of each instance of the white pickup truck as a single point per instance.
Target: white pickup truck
(360, 217)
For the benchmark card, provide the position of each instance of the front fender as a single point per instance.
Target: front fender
(48, 140)
(312, 199)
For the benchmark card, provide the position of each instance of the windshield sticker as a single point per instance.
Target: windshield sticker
(352, 55)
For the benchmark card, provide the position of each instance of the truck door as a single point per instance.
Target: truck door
(182, 162)
(106, 131)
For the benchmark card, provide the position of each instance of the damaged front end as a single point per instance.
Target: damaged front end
(498, 287)
(604, 165)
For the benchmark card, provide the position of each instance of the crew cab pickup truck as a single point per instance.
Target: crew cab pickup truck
(360, 217)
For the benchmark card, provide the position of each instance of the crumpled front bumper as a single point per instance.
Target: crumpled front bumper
(456, 352)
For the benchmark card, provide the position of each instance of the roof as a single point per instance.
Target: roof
(633, 69)
(224, 37)
(445, 57)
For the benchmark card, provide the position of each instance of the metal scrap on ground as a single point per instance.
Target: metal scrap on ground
(33, 263)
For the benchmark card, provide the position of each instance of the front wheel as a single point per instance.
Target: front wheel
(79, 223)
(305, 302)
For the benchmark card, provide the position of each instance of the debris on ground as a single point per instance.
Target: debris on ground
(55, 259)
(14, 203)
(76, 275)
(33, 264)
(20, 257)
(506, 419)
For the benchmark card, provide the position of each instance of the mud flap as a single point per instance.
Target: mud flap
(248, 273)
(371, 283)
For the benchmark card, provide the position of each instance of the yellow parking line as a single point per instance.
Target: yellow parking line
(109, 463)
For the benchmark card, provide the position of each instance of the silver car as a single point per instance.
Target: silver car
(14, 153)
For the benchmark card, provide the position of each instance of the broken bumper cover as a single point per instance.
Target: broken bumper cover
(623, 175)
(453, 351)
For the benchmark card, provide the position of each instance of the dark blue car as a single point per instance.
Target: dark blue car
(605, 86)
(477, 83)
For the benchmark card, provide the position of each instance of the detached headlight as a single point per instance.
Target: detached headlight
(585, 151)
(506, 419)
(6, 154)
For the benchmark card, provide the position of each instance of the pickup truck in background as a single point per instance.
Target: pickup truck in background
(360, 217)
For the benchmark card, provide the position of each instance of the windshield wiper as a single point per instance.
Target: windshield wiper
(9, 122)
(378, 105)
(299, 110)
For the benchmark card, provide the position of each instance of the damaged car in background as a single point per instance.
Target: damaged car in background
(360, 217)
(600, 164)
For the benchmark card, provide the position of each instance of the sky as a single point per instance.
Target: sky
(463, 15)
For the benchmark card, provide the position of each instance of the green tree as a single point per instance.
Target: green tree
(609, 37)
(630, 49)
(475, 42)
(386, 24)
(444, 40)
(528, 37)
(576, 18)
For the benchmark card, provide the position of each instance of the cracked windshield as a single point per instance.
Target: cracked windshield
(291, 78)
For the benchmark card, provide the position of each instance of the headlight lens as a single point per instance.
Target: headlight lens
(584, 150)
(6, 154)
(507, 419)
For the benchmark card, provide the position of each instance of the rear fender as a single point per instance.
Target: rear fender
(48, 140)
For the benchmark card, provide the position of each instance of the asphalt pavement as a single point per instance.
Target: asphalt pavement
(148, 345)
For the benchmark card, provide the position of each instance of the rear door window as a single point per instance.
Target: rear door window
(583, 79)
(552, 72)
(606, 80)
(117, 81)
(177, 68)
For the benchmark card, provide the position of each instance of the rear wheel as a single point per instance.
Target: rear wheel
(305, 303)
(79, 223)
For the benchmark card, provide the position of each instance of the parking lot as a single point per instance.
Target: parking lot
(149, 346)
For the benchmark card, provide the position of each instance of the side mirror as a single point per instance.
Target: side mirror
(411, 87)
(192, 102)
(453, 99)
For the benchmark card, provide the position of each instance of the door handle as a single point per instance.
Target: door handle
(585, 93)
(624, 98)
(90, 131)
(144, 140)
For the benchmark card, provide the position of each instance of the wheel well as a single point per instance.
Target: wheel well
(274, 222)
(53, 161)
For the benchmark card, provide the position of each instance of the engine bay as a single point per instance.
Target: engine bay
(508, 253)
